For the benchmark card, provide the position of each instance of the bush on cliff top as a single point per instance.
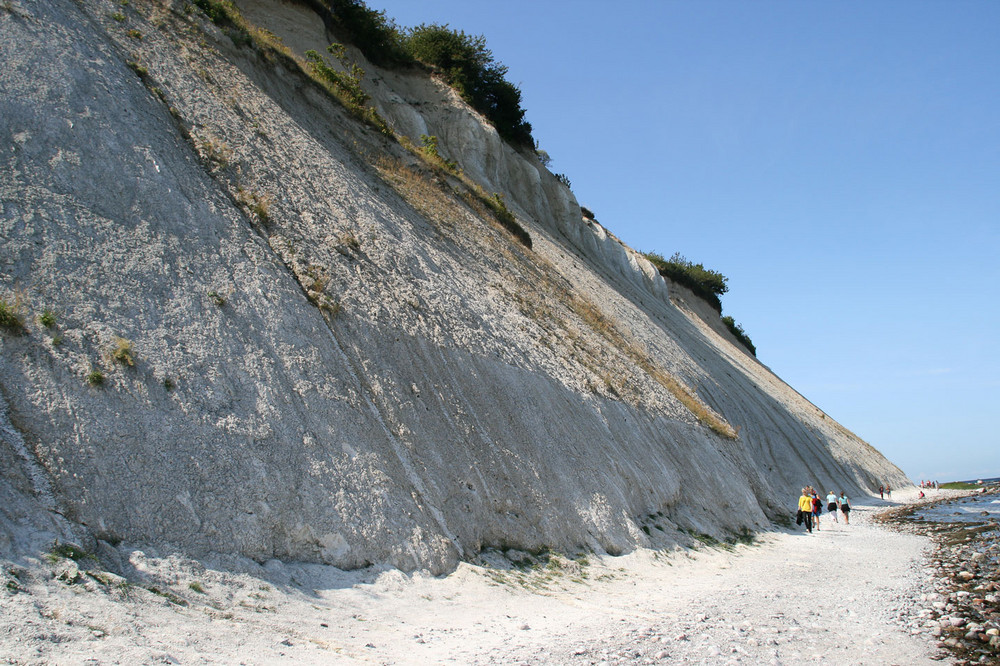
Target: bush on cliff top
(739, 334)
(705, 283)
(463, 60)
(468, 66)
(376, 35)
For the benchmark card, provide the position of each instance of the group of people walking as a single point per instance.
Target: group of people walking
(811, 506)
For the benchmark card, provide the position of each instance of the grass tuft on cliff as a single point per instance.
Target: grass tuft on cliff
(11, 316)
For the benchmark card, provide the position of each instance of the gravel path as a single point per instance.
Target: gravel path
(842, 595)
(838, 596)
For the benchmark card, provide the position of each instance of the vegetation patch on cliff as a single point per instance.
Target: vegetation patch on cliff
(12, 315)
(739, 334)
(462, 60)
(707, 284)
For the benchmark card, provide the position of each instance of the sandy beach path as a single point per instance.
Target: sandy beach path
(841, 595)
(836, 596)
(831, 597)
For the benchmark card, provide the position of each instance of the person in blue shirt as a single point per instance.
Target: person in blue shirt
(845, 508)
(832, 505)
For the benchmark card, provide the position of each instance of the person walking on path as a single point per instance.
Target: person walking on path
(817, 508)
(832, 505)
(845, 508)
(888, 492)
(881, 492)
(805, 511)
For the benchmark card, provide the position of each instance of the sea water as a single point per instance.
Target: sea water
(973, 509)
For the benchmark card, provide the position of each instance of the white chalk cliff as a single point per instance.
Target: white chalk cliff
(338, 357)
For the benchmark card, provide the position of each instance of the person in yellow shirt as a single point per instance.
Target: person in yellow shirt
(805, 510)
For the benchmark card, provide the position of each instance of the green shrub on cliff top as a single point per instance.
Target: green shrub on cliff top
(739, 334)
(376, 35)
(463, 60)
(706, 283)
(468, 66)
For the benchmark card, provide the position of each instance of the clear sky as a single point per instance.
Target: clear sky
(839, 162)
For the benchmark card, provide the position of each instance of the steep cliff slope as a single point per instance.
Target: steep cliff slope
(277, 332)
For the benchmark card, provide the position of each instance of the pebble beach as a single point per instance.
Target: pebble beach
(962, 611)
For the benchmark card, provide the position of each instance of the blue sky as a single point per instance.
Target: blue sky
(838, 162)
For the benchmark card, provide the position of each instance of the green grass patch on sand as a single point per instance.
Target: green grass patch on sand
(959, 485)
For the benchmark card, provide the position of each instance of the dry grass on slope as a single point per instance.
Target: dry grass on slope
(426, 190)
(602, 325)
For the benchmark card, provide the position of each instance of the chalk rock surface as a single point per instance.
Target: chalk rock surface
(275, 332)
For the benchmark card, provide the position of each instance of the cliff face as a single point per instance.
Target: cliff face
(338, 355)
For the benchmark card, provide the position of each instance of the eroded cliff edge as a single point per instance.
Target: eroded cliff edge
(338, 357)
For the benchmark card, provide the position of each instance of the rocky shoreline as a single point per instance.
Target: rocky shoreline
(960, 608)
